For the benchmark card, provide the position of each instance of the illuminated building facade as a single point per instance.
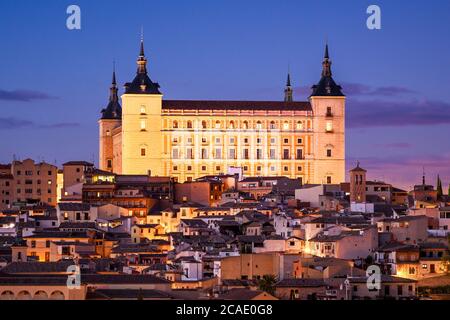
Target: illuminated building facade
(187, 139)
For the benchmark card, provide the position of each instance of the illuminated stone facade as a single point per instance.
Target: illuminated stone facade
(188, 139)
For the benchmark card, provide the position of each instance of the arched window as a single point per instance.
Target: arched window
(143, 124)
(189, 124)
(7, 295)
(41, 295)
(259, 125)
(286, 125)
(143, 110)
(231, 124)
(218, 124)
(57, 295)
(24, 295)
(299, 125)
(175, 124)
(273, 125)
(108, 133)
(204, 124)
(245, 125)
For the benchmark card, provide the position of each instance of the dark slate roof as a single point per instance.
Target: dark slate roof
(122, 279)
(397, 246)
(77, 225)
(32, 280)
(301, 283)
(250, 239)
(78, 163)
(37, 267)
(73, 206)
(384, 279)
(236, 105)
(107, 294)
(194, 223)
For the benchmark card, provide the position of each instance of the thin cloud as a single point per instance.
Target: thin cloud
(395, 145)
(378, 113)
(14, 123)
(359, 89)
(24, 95)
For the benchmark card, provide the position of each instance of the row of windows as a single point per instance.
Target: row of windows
(233, 140)
(232, 154)
(38, 191)
(49, 182)
(246, 168)
(30, 173)
(258, 125)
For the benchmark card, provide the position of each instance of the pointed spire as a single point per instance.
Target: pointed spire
(114, 82)
(113, 90)
(142, 53)
(326, 64)
(142, 61)
(288, 92)
(423, 176)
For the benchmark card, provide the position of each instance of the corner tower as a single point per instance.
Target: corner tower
(328, 104)
(141, 123)
(109, 158)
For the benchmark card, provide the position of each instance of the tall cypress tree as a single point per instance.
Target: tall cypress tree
(439, 188)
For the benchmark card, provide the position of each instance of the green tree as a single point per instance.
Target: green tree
(439, 188)
(267, 283)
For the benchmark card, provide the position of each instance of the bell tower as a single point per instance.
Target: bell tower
(142, 139)
(358, 185)
(328, 104)
(110, 120)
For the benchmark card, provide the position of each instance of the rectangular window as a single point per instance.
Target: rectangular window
(175, 154)
(273, 154)
(328, 180)
(189, 153)
(299, 154)
(232, 141)
(245, 154)
(204, 153)
(329, 153)
(286, 154)
(232, 154)
(218, 154)
(142, 152)
(259, 154)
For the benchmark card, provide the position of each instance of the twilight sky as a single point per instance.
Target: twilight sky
(54, 82)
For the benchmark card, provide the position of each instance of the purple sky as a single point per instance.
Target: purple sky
(54, 82)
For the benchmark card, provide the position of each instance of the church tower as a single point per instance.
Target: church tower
(141, 123)
(358, 185)
(328, 104)
(110, 120)
(288, 93)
